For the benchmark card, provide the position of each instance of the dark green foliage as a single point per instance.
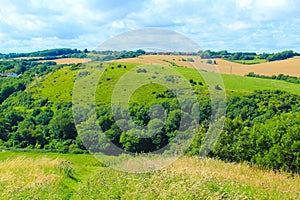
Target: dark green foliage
(281, 56)
(76, 66)
(65, 167)
(287, 78)
(263, 56)
(247, 55)
(242, 56)
(192, 82)
(172, 63)
(190, 60)
(261, 128)
(225, 54)
(62, 126)
(273, 144)
(8, 86)
(141, 70)
(217, 87)
(48, 54)
(209, 62)
(113, 55)
(44, 117)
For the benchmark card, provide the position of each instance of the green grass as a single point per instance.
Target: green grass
(29, 175)
(242, 84)
(58, 86)
(249, 62)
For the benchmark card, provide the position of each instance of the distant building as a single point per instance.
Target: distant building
(12, 74)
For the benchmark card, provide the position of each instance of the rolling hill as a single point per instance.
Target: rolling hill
(58, 86)
(288, 67)
(254, 123)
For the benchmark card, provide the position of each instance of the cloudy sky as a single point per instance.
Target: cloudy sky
(235, 25)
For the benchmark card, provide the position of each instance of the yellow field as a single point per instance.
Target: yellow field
(67, 60)
(288, 67)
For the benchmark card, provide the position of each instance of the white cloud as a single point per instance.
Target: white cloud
(238, 25)
(244, 4)
(231, 24)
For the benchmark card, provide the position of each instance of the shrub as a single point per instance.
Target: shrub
(209, 61)
(141, 71)
(65, 168)
(217, 87)
(190, 60)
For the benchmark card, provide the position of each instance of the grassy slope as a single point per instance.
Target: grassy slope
(249, 84)
(36, 176)
(32, 175)
(257, 60)
(58, 86)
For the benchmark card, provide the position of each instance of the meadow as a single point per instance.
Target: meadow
(249, 62)
(39, 120)
(58, 86)
(29, 175)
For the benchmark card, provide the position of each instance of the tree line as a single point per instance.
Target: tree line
(287, 78)
(247, 55)
(261, 128)
(48, 53)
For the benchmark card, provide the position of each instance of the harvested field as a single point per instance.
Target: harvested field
(67, 60)
(288, 67)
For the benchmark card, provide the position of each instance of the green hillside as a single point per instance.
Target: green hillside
(260, 133)
(58, 86)
(42, 107)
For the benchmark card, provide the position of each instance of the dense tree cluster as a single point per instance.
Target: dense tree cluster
(247, 55)
(26, 71)
(287, 78)
(113, 55)
(225, 54)
(262, 128)
(50, 53)
(278, 56)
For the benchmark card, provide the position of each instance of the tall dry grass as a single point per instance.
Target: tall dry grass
(242, 173)
(24, 174)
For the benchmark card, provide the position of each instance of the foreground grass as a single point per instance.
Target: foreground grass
(38, 176)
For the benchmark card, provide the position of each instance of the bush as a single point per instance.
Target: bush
(192, 82)
(190, 60)
(209, 61)
(65, 168)
(217, 87)
(141, 71)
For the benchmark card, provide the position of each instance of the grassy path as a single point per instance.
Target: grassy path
(37, 176)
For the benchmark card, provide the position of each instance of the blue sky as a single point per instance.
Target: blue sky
(235, 25)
